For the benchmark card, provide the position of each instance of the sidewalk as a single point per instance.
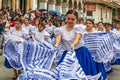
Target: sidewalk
(5, 73)
(115, 75)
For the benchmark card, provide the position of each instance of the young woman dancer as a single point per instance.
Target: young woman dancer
(70, 36)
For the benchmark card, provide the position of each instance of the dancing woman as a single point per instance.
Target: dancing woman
(70, 35)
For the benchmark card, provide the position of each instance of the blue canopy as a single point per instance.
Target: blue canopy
(53, 12)
(61, 17)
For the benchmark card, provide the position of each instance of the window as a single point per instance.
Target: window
(89, 13)
(106, 14)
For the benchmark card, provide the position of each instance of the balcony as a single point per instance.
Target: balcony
(113, 4)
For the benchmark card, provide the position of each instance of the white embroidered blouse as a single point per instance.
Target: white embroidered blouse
(69, 36)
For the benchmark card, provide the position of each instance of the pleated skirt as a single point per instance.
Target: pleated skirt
(90, 67)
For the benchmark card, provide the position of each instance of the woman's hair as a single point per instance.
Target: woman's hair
(62, 22)
(41, 24)
(101, 23)
(108, 24)
(27, 18)
(17, 19)
(50, 20)
(118, 22)
(71, 11)
(90, 20)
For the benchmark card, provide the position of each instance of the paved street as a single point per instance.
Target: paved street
(6, 74)
(115, 75)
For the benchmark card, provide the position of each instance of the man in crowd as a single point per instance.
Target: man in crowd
(2, 24)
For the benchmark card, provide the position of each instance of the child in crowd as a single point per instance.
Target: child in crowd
(41, 35)
(101, 27)
(108, 27)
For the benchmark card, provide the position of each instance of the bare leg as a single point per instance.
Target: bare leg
(15, 73)
(19, 72)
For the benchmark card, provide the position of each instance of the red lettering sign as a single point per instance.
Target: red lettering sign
(90, 7)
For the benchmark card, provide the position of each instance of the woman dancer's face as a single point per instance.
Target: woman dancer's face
(71, 19)
(17, 24)
(100, 26)
(89, 25)
(40, 28)
(26, 21)
(118, 26)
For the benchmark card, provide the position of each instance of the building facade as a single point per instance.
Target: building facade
(104, 10)
(98, 10)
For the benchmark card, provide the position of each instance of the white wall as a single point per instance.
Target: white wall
(35, 4)
(6, 3)
(97, 14)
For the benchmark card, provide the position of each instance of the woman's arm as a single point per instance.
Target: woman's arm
(57, 40)
(46, 39)
(76, 40)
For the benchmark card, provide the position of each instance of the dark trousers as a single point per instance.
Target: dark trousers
(1, 44)
(1, 41)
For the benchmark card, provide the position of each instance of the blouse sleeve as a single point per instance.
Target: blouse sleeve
(58, 31)
(25, 33)
(79, 29)
(47, 35)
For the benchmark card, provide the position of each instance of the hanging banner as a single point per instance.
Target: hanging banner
(90, 7)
